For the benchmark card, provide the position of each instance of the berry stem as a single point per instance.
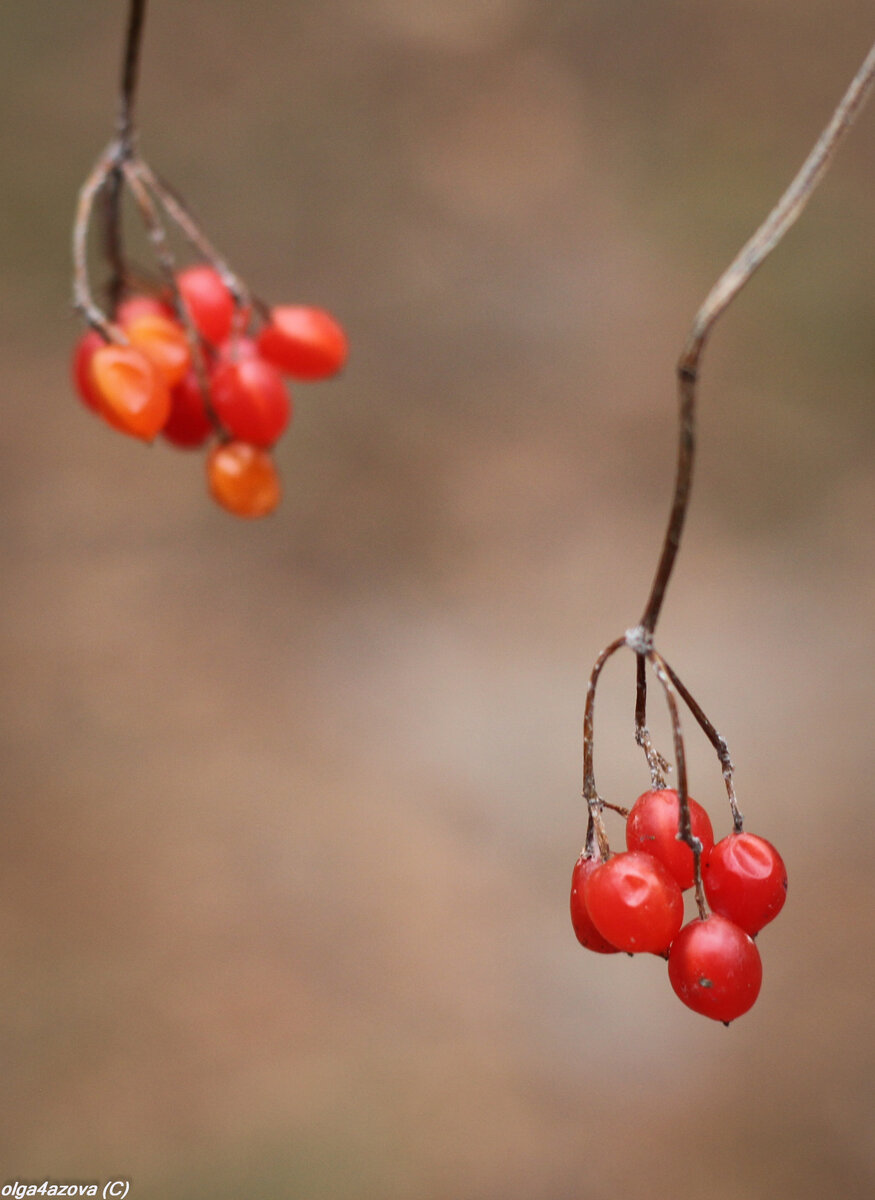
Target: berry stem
(178, 212)
(126, 138)
(659, 767)
(685, 829)
(113, 247)
(717, 741)
(134, 169)
(730, 283)
(83, 299)
(590, 794)
(130, 71)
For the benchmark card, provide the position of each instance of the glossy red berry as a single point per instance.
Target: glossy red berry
(634, 902)
(208, 300)
(305, 343)
(715, 968)
(745, 880)
(133, 395)
(586, 932)
(243, 479)
(652, 826)
(251, 400)
(188, 425)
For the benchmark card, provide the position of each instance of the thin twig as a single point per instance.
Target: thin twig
(113, 249)
(126, 141)
(152, 223)
(83, 299)
(657, 764)
(717, 741)
(182, 216)
(590, 794)
(730, 283)
(130, 69)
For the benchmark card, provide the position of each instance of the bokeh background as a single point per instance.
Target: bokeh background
(289, 809)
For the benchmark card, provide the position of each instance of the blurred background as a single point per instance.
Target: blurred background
(290, 808)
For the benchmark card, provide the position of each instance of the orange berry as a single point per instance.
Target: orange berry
(162, 339)
(133, 395)
(243, 479)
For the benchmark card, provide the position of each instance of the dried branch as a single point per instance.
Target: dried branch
(730, 283)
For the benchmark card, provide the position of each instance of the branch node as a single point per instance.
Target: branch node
(640, 640)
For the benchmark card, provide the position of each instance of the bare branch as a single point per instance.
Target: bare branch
(730, 283)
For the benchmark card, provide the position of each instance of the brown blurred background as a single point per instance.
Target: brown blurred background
(289, 809)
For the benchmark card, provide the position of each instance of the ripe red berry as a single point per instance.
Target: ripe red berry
(208, 300)
(634, 902)
(715, 968)
(133, 395)
(243, 479)
(80, 368)
(306, 343)
(745, 880)
(586, 932)
(251, 400)
(652, 826)
(188, 425)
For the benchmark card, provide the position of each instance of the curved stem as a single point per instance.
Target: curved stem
(181, 215)
(730, 283)
(590, 794)
(83, 299)
(717, 741)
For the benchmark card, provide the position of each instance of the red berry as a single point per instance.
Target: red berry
(208, 300)
(652, 826)
(251, 400)
(162, 339)
(80, 368)
(188, 425)
(715, 968)
(133, 395)
(745, 880)
(586, 932)
(634, 902)
(243, 479)
(306, 343)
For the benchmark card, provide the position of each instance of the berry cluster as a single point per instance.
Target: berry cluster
(186, 365)
(197, 355)
(633, 901)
